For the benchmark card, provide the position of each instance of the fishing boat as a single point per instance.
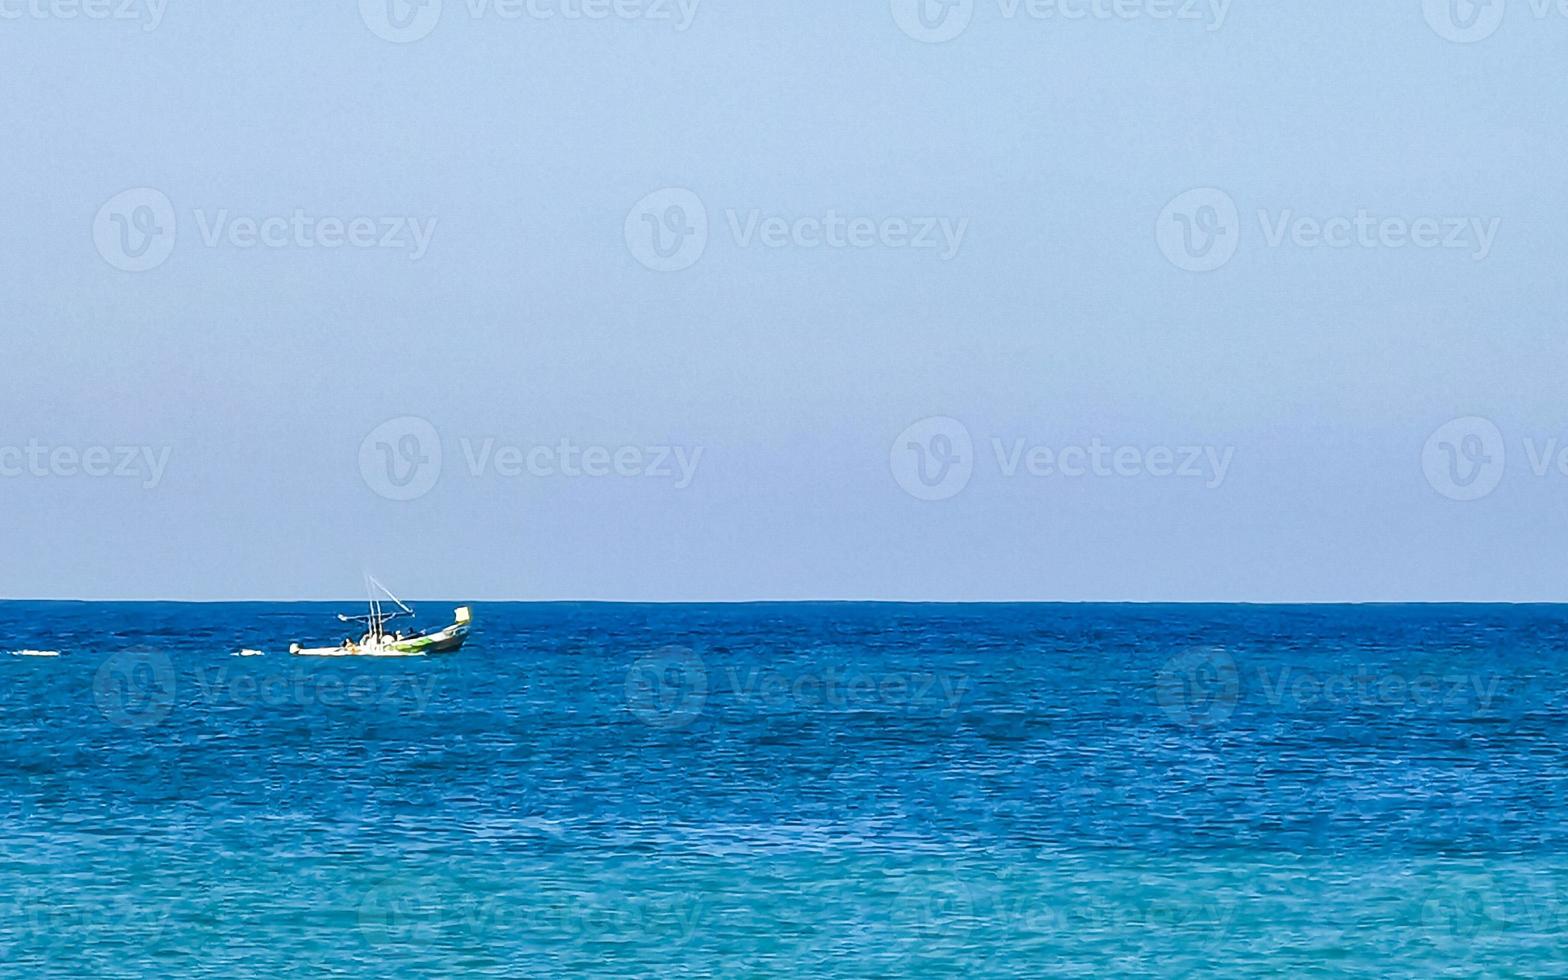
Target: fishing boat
(379, 639)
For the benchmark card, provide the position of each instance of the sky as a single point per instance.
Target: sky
(1146, 300)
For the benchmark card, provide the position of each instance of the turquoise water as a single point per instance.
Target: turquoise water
(807, 789)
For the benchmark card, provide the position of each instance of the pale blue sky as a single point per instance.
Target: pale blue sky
(1055, 144)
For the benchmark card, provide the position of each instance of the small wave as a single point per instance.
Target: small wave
(35, 653)
(249, 653)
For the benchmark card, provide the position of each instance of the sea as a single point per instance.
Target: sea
(789, 789)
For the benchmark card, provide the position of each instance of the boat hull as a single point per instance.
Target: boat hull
(449, 640)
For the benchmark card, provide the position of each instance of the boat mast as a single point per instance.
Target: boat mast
(378, 619)
(375, 608)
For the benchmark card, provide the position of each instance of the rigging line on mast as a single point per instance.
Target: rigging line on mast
(374, 582)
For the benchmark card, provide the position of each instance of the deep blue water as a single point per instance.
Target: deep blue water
(808, 789)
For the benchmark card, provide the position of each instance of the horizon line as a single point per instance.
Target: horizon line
(816, 601)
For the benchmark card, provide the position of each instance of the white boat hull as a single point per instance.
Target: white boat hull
(449, 640)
